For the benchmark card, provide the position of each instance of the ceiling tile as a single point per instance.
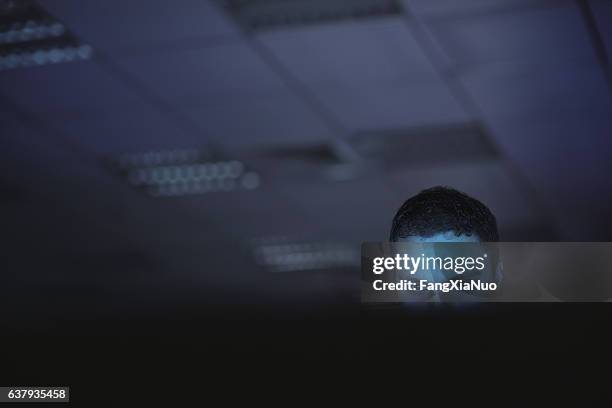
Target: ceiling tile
(375, 51)
(94, 109)
(555, 125)
(602, 10)
(275, 119)
(74, 88)
(542, 35)
(407, 104)
(115, 25)
(139, 129)
(230, 93)
(368, 74)
(516, 101)
(203, 76)
(528, 92)
(571, 175)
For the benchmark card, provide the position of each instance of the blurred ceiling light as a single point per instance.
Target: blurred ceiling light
(31, 30)
(185, 172)
(29, 36)
(286, 255)
(257, 15)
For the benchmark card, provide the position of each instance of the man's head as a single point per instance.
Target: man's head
(443, 214)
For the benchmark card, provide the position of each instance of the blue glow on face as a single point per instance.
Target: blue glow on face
(448, 236)
(442, 237)
(438, 276)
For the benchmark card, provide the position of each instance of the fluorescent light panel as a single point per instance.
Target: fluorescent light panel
(29, 36)
(185, 172)
(284, 255)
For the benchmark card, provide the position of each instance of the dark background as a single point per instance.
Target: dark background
(341, 110)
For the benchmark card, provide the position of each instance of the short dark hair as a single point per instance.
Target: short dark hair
(440, 209)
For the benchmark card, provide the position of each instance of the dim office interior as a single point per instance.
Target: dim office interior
(191, 155)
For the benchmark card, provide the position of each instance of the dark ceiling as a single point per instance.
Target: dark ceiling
(342, 117)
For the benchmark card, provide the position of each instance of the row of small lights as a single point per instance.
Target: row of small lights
(186, 172)
(160, 158)
(31, 31)
(306, 256)
(249, 181)
(43, 57)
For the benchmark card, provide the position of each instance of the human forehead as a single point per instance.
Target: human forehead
(447, 236)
